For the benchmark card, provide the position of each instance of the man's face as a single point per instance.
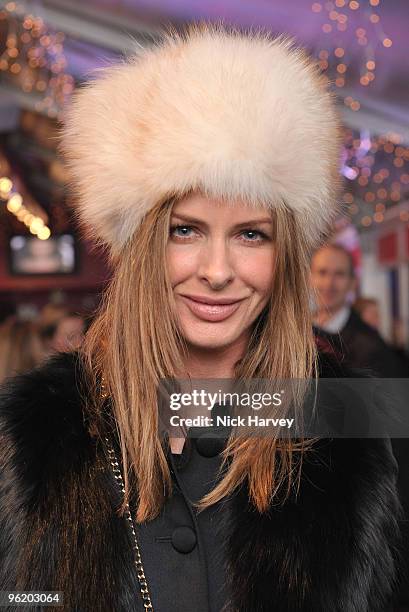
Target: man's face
(331, 278)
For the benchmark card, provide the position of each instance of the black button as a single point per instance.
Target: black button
(184, 539)
(210, 444)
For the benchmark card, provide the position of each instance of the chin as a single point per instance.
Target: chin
(215, 338)
(208, 345)
(334, 305)
(327, 304)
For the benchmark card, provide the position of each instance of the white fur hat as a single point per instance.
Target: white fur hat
(234, 115)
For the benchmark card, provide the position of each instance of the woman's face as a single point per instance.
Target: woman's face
(220, 262)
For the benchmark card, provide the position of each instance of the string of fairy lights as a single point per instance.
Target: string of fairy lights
(16, 206)
(341, 16)
(375, 166)
(376, 186)
(33, 59)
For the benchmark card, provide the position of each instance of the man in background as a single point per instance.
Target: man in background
(340, 326)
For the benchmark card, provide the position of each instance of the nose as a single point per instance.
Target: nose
(215, 265)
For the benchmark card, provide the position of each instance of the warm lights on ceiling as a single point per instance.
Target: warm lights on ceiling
(379, 185)
(338, 16)
(368, 34)
(34, 58)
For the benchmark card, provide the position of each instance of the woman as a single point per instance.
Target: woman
(207, 168)
(20, 347)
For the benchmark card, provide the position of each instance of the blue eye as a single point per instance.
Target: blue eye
(253, 236)
(187, 231)
(181, 231)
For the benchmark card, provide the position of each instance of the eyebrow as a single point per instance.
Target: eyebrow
(189, 219)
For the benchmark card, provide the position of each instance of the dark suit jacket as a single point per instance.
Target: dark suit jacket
(359, 345)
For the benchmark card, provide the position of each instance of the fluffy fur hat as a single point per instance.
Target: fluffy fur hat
(234, 115)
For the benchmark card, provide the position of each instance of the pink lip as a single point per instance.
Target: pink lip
(209, 300)
(210, 310)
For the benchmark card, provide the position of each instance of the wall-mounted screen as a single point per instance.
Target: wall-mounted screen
(30, 255)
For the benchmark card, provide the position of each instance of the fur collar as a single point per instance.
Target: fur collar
(331, 547)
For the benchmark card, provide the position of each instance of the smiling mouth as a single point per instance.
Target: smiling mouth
(211, 311)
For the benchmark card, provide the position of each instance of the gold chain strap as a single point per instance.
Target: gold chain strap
(140, 572)
(143, 584)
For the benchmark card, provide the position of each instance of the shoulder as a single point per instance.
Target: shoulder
(42, 420)
(48, 396)
(357, 326)
(355, 320)
(352, 396)
(330, 365)
(51, 474)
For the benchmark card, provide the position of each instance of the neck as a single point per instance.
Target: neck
(210, 363)
(323, 315)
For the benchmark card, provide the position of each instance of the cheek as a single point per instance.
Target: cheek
(342, 285)
(181, 263)
(257, 269)
(321, 280)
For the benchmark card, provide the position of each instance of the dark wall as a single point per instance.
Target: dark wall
(80, 290)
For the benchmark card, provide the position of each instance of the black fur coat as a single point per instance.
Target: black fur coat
(333, 549)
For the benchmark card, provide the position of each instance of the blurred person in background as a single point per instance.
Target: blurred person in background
(338, 324)
(69, 333)
(7, 309)
(21, 348)
(51, 313)
(65, 334)
(368, 310)
(399, 340)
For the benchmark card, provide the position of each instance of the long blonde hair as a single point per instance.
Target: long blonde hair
(134, 341)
